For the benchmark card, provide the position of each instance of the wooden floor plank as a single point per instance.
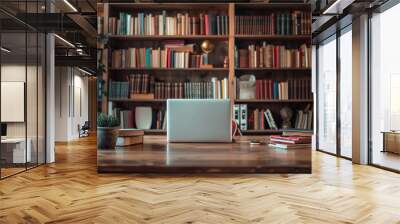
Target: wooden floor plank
(71, 191)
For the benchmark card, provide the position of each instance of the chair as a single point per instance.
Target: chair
(84, 130)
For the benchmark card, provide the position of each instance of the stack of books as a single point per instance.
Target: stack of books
(290, 23)
(274, 56)
(163, 24)
(129, 136)
(289, 142)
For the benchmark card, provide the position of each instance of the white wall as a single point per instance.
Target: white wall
(71, 102)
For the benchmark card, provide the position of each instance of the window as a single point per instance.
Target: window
(346, 93)
(327, 96)
(385, 85)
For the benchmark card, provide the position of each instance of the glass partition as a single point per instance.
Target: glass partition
(15, 150)
(22, 77)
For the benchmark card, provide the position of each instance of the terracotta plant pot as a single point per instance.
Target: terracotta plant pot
(106, 137)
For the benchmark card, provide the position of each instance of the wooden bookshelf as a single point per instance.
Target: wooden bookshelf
(229, 41)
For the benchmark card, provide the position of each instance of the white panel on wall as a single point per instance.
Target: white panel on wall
(12, 101)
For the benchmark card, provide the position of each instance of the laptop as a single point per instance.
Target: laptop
(199, 120)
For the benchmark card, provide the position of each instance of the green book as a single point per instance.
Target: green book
(148, 57)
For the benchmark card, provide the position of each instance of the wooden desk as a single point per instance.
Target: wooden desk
(391, 141)
(158, 156)
(13, 150)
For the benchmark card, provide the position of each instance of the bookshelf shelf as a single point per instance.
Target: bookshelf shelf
(265, 131)
(139, 100)
(274, 37)
(170, 69)
(274, 101)
(273, 69)
(167, 37)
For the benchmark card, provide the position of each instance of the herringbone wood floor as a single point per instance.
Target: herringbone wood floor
(71, 191)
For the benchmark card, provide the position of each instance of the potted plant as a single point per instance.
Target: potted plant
(107, 126)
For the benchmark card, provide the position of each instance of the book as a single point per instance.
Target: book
(123, 132)
(129, 140)
(290, 139)
(285, 146)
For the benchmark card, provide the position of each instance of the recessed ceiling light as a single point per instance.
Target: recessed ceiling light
(84, 71)
(5, 49)
(70, 5)
(64, 40)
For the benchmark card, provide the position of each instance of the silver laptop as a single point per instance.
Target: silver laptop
(199, 120)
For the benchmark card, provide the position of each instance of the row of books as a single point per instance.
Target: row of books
(262, 119)
(163, 24)
(304, 118)
(127, 118)
(169, 57)
(214, 89)
(118, 90)
(273, 56)
(293, 89)
(290, 23)
(141, 84)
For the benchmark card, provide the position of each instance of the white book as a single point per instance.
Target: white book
(214, 87)
(226, 88)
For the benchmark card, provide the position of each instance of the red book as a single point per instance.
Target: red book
(257, 89)
(207, 29)
(270, 94)
(265, 89)
(290, 139)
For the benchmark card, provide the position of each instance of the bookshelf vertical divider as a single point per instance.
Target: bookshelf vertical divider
(104, 59)
(231, 52)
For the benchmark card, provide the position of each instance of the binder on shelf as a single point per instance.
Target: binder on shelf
(243, 116)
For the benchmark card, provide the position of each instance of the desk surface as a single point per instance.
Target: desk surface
(13, 140)
(158, 156)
